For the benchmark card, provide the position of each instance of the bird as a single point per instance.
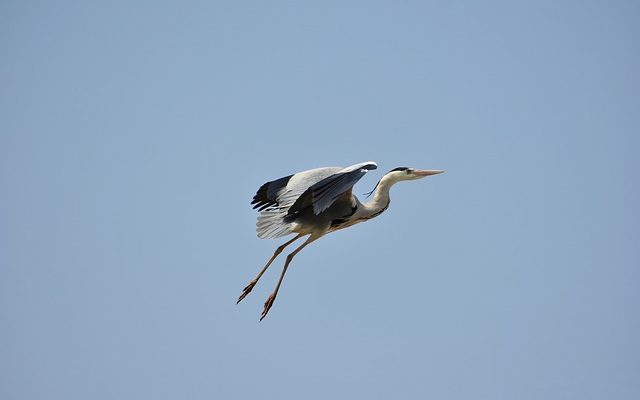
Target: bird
(316, 202)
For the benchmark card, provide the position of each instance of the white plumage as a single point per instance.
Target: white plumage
(316, 202)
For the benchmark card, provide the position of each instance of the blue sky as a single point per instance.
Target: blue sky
(134, 134)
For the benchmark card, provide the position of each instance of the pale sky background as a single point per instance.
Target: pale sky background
(134, 134)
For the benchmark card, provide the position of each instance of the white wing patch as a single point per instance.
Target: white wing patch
(326, 184)
(271, 222)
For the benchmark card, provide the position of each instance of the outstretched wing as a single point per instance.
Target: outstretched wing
(323, 193)
(281, 199)
(267, 195)
(274, 199)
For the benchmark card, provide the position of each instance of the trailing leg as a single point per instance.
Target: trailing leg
(272, 296)
(251, 284)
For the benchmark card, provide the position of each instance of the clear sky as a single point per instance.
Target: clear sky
(134, 134)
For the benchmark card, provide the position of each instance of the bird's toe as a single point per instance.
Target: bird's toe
(246, 290)
(267, 306)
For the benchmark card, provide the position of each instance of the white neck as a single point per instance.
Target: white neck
(380, 198)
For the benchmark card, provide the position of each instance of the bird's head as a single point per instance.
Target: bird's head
(409, 174)
(404, 174)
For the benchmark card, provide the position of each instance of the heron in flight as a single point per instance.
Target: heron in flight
(316, 202)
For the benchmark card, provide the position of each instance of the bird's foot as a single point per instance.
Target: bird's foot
(267, 305)
(247, 290)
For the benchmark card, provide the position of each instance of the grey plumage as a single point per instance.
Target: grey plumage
(315, 202)
(283, 201)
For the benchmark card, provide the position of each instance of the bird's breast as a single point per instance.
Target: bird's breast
(343, 222)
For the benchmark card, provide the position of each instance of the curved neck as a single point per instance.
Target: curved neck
(380, 199)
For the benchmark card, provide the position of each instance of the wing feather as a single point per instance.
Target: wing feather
(275, 198)
(323, 193)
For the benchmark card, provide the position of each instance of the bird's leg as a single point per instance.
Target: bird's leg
(272, 296)
(251, 284)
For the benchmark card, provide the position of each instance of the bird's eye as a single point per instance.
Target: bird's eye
(409, 171)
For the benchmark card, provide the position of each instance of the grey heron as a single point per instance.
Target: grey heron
(316, 202)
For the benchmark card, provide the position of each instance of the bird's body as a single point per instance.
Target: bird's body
(287, 205)
(316, 202)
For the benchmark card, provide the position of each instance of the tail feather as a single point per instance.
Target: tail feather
(271, 225)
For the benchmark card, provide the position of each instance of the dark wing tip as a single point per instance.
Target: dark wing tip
(261, 195)
(266, 196)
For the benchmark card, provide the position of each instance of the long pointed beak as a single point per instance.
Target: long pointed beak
(427, 172)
